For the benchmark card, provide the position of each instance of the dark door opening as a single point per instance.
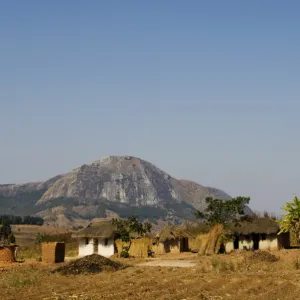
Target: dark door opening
(236, 242)
(95, 246)
(184, 245)
(255, 241)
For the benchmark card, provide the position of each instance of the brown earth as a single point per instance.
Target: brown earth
(236, 276)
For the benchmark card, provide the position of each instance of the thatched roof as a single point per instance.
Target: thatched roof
(173, 232)
(100, 230)
(261, 225)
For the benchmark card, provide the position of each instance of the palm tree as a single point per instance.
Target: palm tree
(291, 219)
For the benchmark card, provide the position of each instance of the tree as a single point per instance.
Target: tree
(125, 228)
(223, 211)
(6, 235)
(291, 219)
(39, 238)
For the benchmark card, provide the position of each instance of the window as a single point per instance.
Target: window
(105, 242)
(86, 241)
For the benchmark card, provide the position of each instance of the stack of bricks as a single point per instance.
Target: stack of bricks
(7, 254)
(53, 252)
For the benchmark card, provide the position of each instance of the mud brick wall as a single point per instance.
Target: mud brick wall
(7, 254)
(53, 252)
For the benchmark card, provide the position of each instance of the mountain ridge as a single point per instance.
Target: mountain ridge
(113, 185)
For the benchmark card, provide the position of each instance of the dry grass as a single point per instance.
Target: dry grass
(215, 277)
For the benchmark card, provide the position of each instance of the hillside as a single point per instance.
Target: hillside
(112, 186)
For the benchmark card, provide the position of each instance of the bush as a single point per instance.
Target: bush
(221, 265)
(125, 252)
(11, 239)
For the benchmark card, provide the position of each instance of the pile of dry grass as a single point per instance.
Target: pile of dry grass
(210, 242)
(260, 256)
(91, 264)
(140, 247)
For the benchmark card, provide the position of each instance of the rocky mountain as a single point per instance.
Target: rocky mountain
(112, 186)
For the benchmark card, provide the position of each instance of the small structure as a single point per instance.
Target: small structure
(98, 238)
(257, 234)
(7, 253)
(53, 252)
(174, 239)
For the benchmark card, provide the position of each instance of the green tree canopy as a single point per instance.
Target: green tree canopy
(6, 235)
(291, 218)
(124, 227)
(223, 211)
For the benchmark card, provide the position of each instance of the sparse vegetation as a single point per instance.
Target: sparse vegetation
(223, 212)
(6, 235)
(126, 227)
(21, 220)
(222, 265)
(264, 279)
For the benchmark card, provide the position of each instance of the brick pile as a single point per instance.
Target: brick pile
(53, 252)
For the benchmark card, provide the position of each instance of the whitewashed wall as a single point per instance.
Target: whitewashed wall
(85, 249)
(245, 242)
(270, 243)
(108, 250)
(229, 247)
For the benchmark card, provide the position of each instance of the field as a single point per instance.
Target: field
(240, 275)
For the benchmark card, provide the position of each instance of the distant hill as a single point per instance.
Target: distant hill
(112, 186)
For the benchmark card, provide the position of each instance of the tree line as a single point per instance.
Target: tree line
(20, 220)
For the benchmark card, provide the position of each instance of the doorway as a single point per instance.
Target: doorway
(236, 242)
(255, 241)
(184, 245)
(95, 246)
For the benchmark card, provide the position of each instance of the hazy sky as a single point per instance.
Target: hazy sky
(205, 90)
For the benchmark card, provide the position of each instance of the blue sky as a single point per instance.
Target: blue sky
(205, 90)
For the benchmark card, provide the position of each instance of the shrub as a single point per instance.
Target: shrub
(297, 264)
(11, 239)
(125, 252)
(221, 265)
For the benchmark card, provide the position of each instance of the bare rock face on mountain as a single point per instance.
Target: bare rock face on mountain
(120, 185)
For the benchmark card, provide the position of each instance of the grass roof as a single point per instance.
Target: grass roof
(100, 230)
(261, 225)
(173, 232)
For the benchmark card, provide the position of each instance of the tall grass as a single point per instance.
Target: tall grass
(20, 278)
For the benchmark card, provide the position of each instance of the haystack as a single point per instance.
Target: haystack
(7, 253)
(140, 247)
(210, 242)
(195, 243)
(53, 252)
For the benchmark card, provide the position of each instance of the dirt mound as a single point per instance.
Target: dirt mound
(261, 256)
(90, 264)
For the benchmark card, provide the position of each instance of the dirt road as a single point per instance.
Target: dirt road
(169, 263)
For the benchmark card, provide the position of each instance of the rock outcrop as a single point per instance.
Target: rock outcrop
(119, 185)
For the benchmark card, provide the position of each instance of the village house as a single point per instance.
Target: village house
(173, 239)
(257, 234)
(97, 238)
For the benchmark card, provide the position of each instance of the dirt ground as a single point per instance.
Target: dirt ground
(235, 276)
